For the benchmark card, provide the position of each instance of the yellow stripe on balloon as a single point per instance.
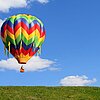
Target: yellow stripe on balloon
(37, 33)
(32, 35)
(23, 58)
(21, 30)
(13, 17)
(18, 32)
(10, 35)
(25, 34)
(5, 35)
(42, 38)
(28, 37)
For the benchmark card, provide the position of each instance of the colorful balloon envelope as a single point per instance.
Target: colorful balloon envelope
(22, 36)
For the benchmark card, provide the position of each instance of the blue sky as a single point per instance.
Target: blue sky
(72, 42)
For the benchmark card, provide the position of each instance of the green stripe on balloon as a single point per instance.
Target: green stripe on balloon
(11, 20)
(10, 39)
(23, 38)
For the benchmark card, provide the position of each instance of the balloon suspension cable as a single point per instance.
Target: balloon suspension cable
(4, 50)
(39, 51)
(20, 44)
(33, 46)
(8, 49)
(36, 53)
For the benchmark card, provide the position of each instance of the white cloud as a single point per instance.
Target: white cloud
(34, 64)
(76, 81)
(5, 5)
(42, 1)
(1, 21)
(54, 69)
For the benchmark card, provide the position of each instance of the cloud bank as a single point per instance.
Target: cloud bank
(76, 81)
(5, 5)
(34, 64)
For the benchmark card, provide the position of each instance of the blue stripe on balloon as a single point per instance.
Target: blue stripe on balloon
(2, 28)
(25, 21)
(21, 20)
(10, 24)
(26, 47)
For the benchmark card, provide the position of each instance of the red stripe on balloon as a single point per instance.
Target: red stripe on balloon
(7, 27)
(25, 52)
(32, 29)
(21, 24)
(15, 52)
(31, 53)
(43, 33)
(10, 29)
(4, 29)
(36, 26)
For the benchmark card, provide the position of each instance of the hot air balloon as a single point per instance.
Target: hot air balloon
(22, 36)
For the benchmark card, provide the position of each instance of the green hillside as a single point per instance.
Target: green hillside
(49, 93)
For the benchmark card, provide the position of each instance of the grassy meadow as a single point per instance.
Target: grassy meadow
(49, 93)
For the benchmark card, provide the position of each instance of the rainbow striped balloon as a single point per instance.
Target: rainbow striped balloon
(23, 36)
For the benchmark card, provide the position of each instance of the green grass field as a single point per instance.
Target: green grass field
(49, 93)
